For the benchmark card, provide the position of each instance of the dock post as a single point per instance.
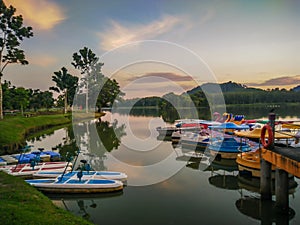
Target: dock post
(281, 190)
(266, 167)
(265, 180)
(272, 117)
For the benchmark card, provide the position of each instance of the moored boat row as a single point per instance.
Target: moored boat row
(239, 142)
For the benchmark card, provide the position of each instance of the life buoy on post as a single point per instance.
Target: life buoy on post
(265, 143)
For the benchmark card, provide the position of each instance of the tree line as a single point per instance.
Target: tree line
(231, 94)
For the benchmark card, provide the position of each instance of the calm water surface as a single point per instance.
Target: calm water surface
(163, 186)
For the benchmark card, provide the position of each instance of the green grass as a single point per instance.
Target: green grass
(21, 203)
(15, 129)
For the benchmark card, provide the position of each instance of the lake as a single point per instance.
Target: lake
(163, 186)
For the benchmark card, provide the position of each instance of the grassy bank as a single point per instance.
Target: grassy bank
(22, 204)
(15, 129)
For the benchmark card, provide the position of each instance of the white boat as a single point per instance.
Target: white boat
(75, 185)
(110, 175)
(195, 141)
(27, 170)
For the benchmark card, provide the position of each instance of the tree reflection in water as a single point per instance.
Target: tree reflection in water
(87, 140)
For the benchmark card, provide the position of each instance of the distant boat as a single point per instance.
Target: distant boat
(75, 184)
(182, 124)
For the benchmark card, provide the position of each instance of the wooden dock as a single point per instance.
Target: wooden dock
(287, 159)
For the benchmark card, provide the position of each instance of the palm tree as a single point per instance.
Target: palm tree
(65, 83)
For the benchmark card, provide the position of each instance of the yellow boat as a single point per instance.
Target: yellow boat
(249, 163)
(256, 133)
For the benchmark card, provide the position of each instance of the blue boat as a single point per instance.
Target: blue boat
(111, 175)
(74, 184)
(43, 156)
(230, 147)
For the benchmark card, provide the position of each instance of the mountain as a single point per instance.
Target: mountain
(225, 87)
(296, 89)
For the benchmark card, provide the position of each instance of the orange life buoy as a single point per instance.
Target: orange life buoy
(265, 143)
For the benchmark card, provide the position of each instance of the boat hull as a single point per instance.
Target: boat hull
(76, 186)
(249, 163)
(52, 190)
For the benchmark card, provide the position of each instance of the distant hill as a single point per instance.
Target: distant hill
(296, 89)
(225, 87)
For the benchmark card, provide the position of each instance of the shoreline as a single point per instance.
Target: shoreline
(21, 203)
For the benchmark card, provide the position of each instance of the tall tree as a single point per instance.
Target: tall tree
(97, 87)
(65, 83)
(11, 35)
(87, 62)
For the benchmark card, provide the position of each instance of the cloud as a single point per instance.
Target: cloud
(167, 75)
(40, 14)
(280, 81)
(157, 84)
(118, 35)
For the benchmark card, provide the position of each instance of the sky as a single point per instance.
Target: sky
(160, 46)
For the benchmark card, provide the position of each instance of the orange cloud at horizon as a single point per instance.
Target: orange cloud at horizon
(40, 14)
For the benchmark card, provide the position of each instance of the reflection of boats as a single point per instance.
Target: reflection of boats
(74, 184)
(253, 184)
(82, 196)
(227, 181)
(110, 175)
(27, 170)
(195, 160)
(265, 211)
(224, 164)
(82, 202)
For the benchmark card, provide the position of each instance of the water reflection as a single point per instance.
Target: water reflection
(264, 211)
(90, 149)
(253, 184)
(176, 200)
(82, 205)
